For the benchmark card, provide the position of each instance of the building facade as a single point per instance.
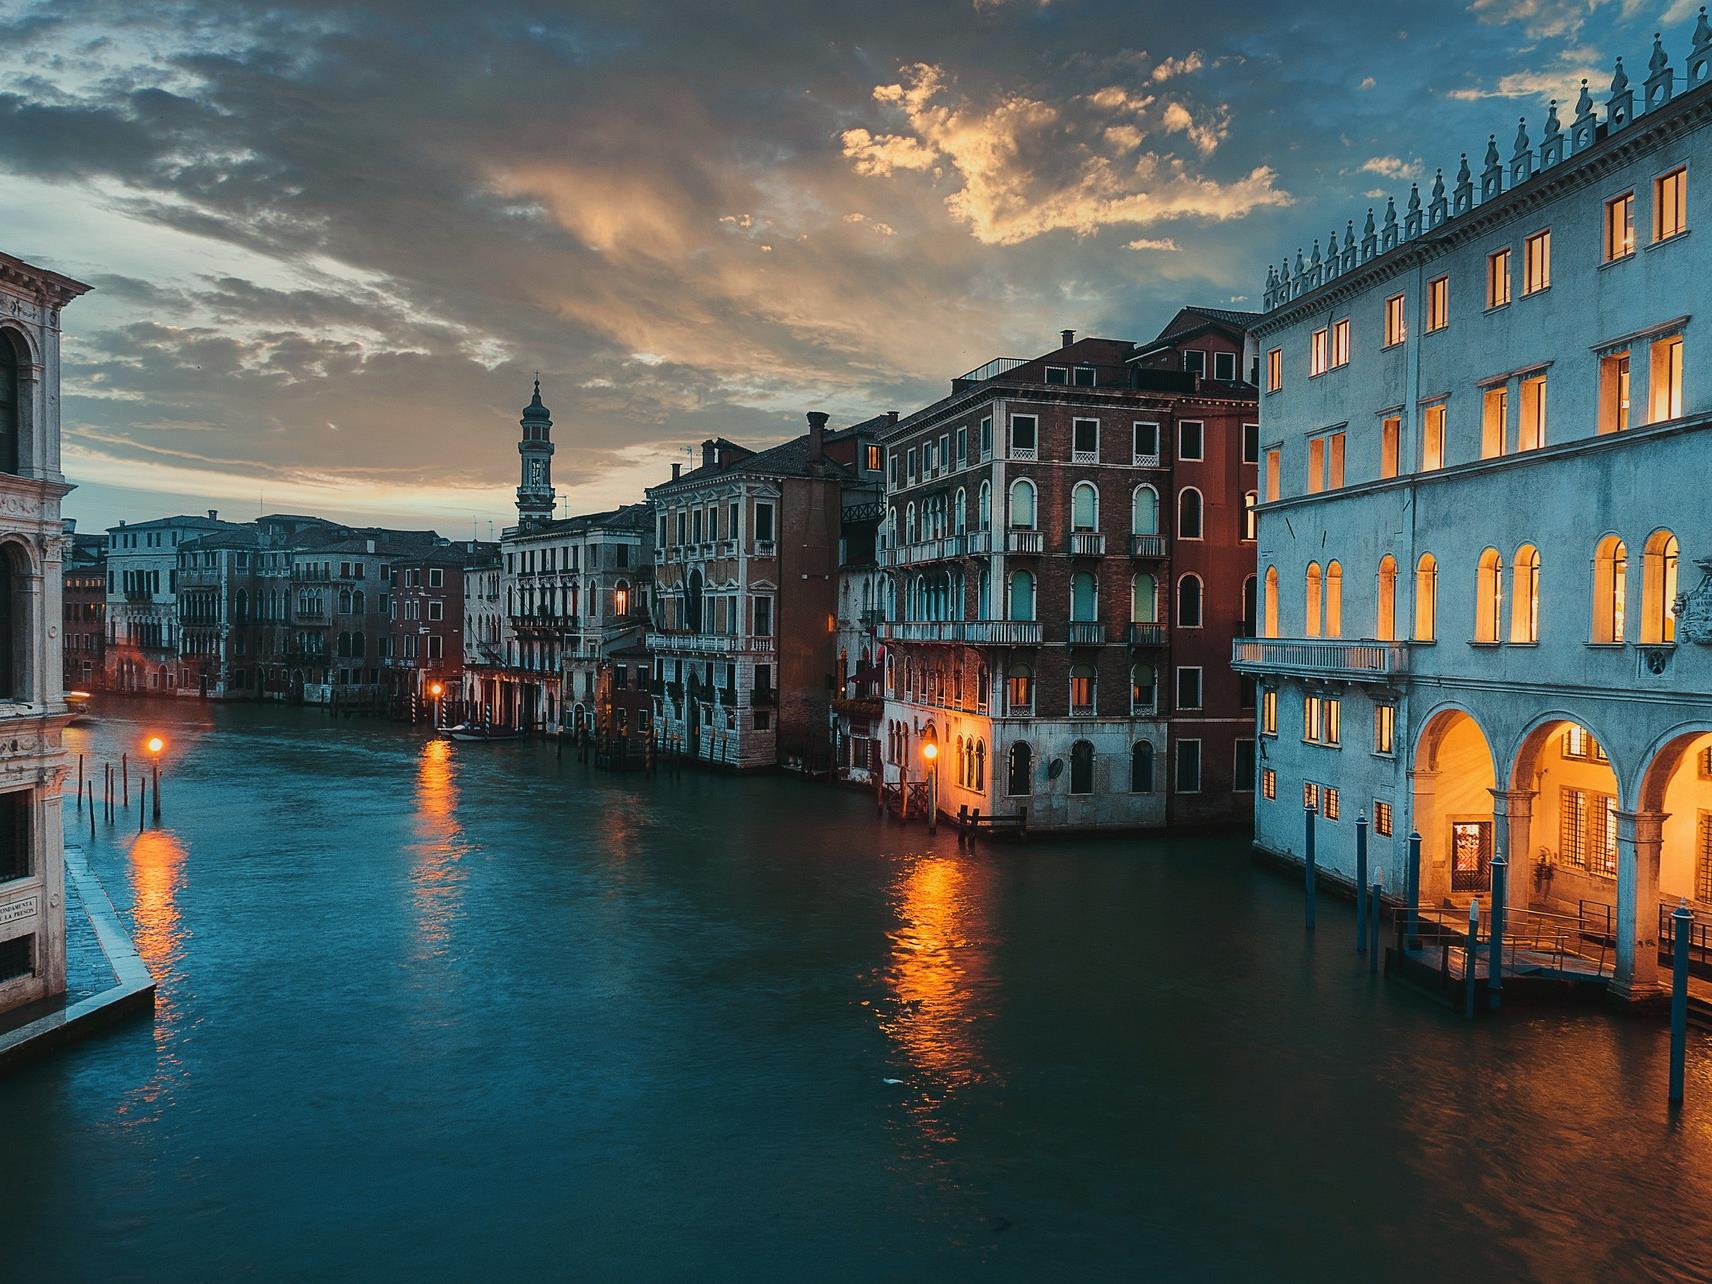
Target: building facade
(422, 656)
(143, 625)
(1070, 543)
(1486, 429)
(32, 545)
(85, 609)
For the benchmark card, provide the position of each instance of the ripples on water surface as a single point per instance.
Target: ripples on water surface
(430, 1011)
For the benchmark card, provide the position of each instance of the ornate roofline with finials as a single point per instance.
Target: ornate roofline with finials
(1562, 161)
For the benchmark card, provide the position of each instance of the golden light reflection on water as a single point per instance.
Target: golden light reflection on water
(436, 875)
(157, 861)
(938, 982)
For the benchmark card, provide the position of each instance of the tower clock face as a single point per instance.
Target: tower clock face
(537, 472)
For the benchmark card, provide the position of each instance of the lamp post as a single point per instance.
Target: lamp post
(930, 754)
(436, 690)
(155, 745)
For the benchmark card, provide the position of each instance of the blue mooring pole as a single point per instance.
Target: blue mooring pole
(1495, 959)
(1470, 951)
(1361, 884)
(1308, 862)
(1681, 922)
(1373, 913)
(1412, 892)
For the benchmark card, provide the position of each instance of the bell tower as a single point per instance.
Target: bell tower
(535, 480)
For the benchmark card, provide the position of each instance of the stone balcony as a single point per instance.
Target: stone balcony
(922, 631)
(1024, 541)
(708, 643)
(1002, 632)
(1087, 544)
(1153, 546)
(1086, 633)
(1354, 661)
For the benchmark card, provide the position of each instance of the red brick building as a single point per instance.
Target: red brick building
(424, 643)
(84, 604)
(1070, 550)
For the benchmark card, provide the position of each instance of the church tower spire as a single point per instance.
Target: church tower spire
(535, 483)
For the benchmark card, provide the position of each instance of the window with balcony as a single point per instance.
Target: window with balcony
(1670, 204)
(1536, 262)
(1022, 510)
(1143, 598)
(1270, 605)
(1146, 452)
(1190, 593)
(1498, 278)
(1022, 595)
(1313, 591)
(1085, 441)
(984, 508)
(1334, 600)
(1274, 369)
(763, 523)
(1385, 623)
(1619, 227)
(1614, 392)
(1143, 692)
(1084, 597)
(1340, 343)
(1025, 437)
(1666, 381)
(1433, 437)
(1658, 588)
(1144, 511)
(1438, 303)
(1085, 507)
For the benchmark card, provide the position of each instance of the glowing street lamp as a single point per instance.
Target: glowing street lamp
(154, 745)
(930, 755)
(436, 689)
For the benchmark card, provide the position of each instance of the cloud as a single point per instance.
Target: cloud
(1546, 19)
(1164, 243)
(1390, 167)
(1170, 68)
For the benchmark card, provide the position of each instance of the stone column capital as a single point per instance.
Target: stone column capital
(1513, 802)
(1641, 825)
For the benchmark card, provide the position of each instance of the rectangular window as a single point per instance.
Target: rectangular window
(1317, 351)
(1024, 437)
(436, 609)
(1390, 442)
(1340, 342)
(1331, 798)
(1670, 204)
(1432, 437)
(1147, 445)
(909, 466)
(1536, 262)
(873, 458)
(1384, 728)
(962, 446)
(944, 451)
(17, 957)
(1085, 441)
(1273, 465)
(897, 470)
(1334, 461)
(1269, 712)
(1058, 374)
(1498, 278)
(986, 438)
(1311, 708)
(1316, 465)
(1083, 376)
(1531, 426)
(1331, 722)
(1619, 227)
(1188, 766)
(1251, 443)
(1190, 439)
(763, 523)
(1396, 328)
(1614, 392)
(1310, 795)
(1438, 303)
(1666, 391)
(1242, 771)
(15, 809)
(1274, 369)
(1382, 818)
(1224, 367)
(1703, 859)
(1494, 422)
(1189, 686)
(1269, 784)
(1195, 361)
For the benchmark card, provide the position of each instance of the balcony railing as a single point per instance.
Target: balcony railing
(976, 543)
(1023, 541)
(1087, 544)
(1147, 633)
(1147, 461)
(764, 548)
(922, 631)
(1321, 657)
(708, 643)
(1002, 632)
(992, 370)
(1147, 546)
(1087, 633)
(1084, 456)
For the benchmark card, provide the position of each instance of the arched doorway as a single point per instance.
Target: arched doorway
(1561, 819)
(1452, 782)
(1017, 783)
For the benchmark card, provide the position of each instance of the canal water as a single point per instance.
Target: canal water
(448, 1011)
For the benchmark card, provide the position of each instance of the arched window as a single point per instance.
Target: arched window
(1250, 589)
(1334, 600)
(358, 602)
(1426, 597)
(1189, 514)
(1610, 589)
(1658, 588)
(1084, 597)
(1143, 599)
(1021, 768)
(1525, 595)
(12, 364)
(241, 606)
(984, 594)
(1019, 688)
(1270, 628)
(1312, 590)
(692, 603)
(893, 530)
(1189, 602)
(1142, 688)
(1385, 625)
(909, 524)
(980, 782)
(1084, 507)
(984, 514)
(344, 601)
(621, 598)
(1082, 767)
(1488, 596)
(1022, 595)
(1022, 504)
(1141, 767)
(1144, 511)
(961, 516)
(1250, 519)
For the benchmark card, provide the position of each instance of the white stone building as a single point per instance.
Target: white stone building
(1486, 435)
(32, 697)
(142, 600)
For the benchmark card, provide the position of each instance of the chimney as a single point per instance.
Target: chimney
(213, 514)
(891, 416)
(677, 469)
(1066, 338)
(707, 453)
(816, 436)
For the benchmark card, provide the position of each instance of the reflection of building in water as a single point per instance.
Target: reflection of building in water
(32, 695)
(436, 879)
(1473, 626)
(938, 979)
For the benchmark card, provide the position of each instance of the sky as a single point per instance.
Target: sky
(332, 244)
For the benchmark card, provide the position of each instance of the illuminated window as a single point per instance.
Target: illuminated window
(1494, 422)
(1498, 279)
(1312, 591)
(1666, 389)
(1385, 620)
(1317, 351)
(1250, 519)
(1340, 343)
(1331, 811)
(1536, 262)
(1531, 425)
(1334, 461)
(1489, 596)
(1269, 712)
(1269, 783)
(1620, 227)
(1271, 604)
(1433, 437)
(1610, 589)
(1426, 597)
(1658, 588)
(1385, 728)
(1310, 795)
(1272, 469)
(1312, 709)
(1316, 465)
(1334, 600)
(1614, 392)
(1525, 595)
(1275, 369)
(1438, 303)
(1390, 445)
(1382, 818)
(1670, 204)
(1396, 329)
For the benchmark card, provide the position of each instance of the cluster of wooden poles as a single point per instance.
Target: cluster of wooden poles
(116, 792)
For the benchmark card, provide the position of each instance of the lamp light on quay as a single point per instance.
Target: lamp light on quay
(436, 690)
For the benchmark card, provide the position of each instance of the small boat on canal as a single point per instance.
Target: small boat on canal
(77, 703)
(481, 731)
